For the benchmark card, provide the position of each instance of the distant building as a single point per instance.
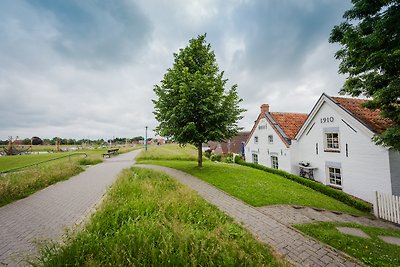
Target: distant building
(232, 145)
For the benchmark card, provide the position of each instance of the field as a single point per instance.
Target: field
(17, 185)
(9, 162)
(255, 187)
(148, 219)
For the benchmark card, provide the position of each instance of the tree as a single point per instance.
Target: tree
(370, 55)
(193, 106)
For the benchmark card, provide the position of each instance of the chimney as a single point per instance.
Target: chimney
(264, 108)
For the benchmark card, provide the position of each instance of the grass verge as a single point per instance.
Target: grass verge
(148, 219)
(371, 251)
(14, 186)
(255, 187)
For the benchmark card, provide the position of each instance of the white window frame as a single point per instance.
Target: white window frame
(255, 139)
(332, 143)
(270, 139)
(254, 158)
(274, 162)
(335, 176)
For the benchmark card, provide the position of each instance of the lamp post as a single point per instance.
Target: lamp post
(145, 141)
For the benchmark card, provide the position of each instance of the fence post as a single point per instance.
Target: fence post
(376, 205)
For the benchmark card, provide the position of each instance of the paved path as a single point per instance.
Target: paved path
(289, 215)
(46, 214)
(298, 249)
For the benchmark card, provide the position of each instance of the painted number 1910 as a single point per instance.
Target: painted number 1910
(327, 119)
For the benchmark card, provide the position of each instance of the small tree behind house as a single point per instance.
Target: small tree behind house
(193, 106)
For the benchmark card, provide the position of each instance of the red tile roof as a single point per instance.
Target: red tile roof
(371, 118)
(290, 123)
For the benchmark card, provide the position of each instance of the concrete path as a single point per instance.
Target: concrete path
(298, 249)
(46, 214)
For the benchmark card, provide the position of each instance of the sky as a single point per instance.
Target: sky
(86, 69)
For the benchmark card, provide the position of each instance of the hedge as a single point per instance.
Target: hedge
(326, 190)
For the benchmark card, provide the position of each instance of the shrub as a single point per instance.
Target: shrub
(228, 158)
(215, 157)
(326, 190)
(207, 153)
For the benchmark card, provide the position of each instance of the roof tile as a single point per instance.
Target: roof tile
(371, 118)
(290, 123)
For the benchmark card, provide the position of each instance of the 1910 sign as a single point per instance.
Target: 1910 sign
(327, 119)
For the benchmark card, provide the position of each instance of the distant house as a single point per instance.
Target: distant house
(271, 138)
(336, 140)
(232, 145)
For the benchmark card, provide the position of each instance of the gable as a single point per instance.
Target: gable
(347, 117)
(265, 120)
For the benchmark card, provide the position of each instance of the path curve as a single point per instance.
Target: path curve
(297, 248)
(46, 214)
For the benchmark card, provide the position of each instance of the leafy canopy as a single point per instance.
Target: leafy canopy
(370, 55)
(193, 106)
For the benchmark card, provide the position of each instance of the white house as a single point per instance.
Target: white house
(336, 140)
(270, 140)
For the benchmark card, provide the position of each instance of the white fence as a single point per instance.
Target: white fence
(387, 207)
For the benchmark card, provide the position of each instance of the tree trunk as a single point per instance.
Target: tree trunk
(200, 156)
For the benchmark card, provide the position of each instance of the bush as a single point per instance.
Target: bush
(229, 158)
(326, 190)
(215, 157)
(207, 153)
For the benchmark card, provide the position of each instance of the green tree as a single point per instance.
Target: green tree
(370, 55)
(193, 106)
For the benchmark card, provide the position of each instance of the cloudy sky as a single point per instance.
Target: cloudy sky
(86, 69)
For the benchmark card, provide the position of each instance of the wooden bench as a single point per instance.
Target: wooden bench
(111, 152)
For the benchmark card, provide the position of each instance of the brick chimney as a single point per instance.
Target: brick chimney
(264, 108)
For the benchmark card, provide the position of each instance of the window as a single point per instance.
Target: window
(335, 176)
(274, 162)
(262, 127)
(332, 141)
(270, 139)
(255, 158)
(255, 139)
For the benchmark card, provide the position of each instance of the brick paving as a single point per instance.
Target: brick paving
(45, 215)
(297, 249)
(289, 215)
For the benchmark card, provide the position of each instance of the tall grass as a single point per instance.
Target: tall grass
(169, 152)
(148, 219)
(14, 186)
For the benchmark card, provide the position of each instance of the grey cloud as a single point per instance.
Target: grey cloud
(96, 33)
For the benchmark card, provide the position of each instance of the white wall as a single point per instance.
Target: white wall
(366, 167)
(265, 150)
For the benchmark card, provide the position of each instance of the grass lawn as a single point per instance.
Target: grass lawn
(371, 251)
(169, 152)
(149, 219)
(256, 187)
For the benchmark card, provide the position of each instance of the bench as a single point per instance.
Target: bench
(111, 152)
